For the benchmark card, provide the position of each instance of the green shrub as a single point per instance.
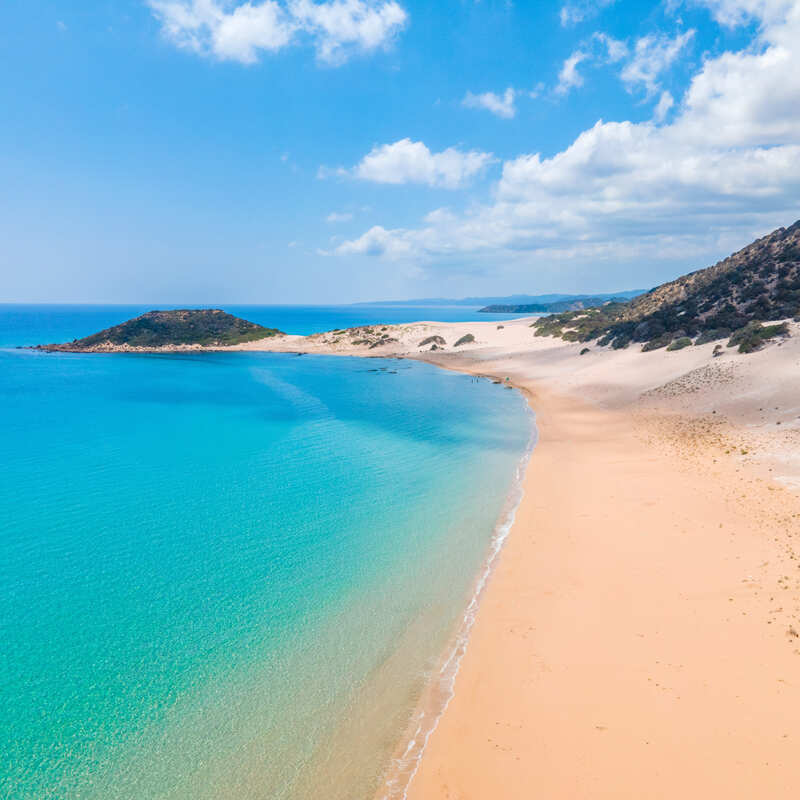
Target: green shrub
(679, 344)
(712, 335)
(465, 339)
(621, 342)
(754, 336)
(585, 351)
(658, 342)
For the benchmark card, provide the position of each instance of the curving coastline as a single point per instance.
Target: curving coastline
(641, 631)
(441, 685)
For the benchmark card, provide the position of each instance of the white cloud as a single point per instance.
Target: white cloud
(579, 10)
(377, 241)
(341, 24)
(665, 103)
(405, 161)
(653, 55)
(339, 216)
(537, 90)
(569, 77)
(724, 169)
(616, 49)
(241, 32)
(737, 12)
(499, 105)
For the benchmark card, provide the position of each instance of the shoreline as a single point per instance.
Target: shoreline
(440, 687)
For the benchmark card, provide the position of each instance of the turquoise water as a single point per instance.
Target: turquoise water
(230, 575)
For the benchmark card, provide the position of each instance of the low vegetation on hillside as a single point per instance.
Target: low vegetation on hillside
(206, 327)
(730, 300)
(370, 336)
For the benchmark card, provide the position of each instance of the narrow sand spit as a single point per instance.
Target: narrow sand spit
(639, 636)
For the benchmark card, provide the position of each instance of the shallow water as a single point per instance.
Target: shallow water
(230, 575)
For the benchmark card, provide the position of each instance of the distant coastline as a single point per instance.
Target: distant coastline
(506, 300)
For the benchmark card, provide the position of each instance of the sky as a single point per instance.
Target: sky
(330, 151)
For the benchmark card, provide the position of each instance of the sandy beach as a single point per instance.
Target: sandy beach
(639, 637)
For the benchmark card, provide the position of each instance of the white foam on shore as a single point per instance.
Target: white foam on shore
(441, 688)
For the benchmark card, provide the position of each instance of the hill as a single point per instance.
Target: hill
(564, 303)
(205, 327)
(729, 300)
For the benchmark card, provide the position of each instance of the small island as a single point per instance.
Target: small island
(176, 329)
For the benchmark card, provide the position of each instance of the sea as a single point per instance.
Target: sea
(238, 575)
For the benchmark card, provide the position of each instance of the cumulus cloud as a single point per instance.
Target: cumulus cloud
(499, 105)
(377, 241)
(569, 77)
(725, 168)
(405, 161)
(241, 32)
(653, 55)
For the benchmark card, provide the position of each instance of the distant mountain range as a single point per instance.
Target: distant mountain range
(513, 300)
(568, 303)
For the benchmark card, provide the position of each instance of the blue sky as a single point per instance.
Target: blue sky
(204, 151)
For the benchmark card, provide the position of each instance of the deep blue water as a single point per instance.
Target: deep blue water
(229, 575)
(46, 324)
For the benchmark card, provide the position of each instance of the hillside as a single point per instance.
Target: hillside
(162, 329)
(728, 300)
